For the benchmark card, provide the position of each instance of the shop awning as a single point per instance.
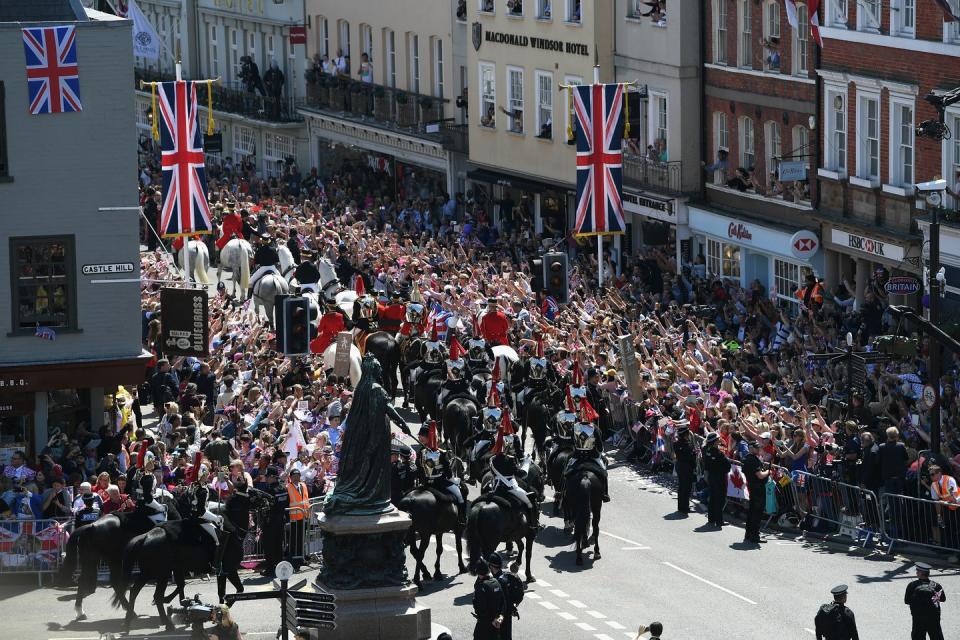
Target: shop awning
(82, 374)
(517, 182)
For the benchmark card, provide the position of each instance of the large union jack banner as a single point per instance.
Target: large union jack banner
(599, 134)
(185, 209)
(53, 81)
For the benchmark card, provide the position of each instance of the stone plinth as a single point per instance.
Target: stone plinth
(364, 567)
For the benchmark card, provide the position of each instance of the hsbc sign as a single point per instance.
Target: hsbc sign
(804, 244)
(867, 245)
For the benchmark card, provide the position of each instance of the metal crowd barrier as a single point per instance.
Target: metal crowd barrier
(926, 523)
(832, 507)
(618, 412)
(32, 546)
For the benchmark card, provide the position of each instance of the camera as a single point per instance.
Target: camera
(194, 612)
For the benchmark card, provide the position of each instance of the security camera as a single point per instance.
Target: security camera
(933, 185)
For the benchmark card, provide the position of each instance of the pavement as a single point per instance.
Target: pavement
(656, 565)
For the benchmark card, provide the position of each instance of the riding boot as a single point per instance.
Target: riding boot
(462, 515)
(606, 488)
(218, 558)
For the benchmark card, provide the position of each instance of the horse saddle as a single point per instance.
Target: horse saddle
(496, 498)
(442, 496)
(513, 500)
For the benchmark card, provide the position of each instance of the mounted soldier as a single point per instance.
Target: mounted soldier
(436, 471)
(366, 314)
(504, 469)
(485, 434)
(588, 445)
(456, 383)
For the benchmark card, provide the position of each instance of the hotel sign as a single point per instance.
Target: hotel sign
(546, 44)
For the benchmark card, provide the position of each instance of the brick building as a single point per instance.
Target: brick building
(878, 62)
(760, 103)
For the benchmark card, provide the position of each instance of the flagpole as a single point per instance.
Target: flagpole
(596, 80)
(186, 239)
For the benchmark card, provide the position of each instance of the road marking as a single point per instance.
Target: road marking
(602, 636)
(543, 583)
(616, 537)
(577, 604)
(585, 626)
(448, 547)
(596, 614)
(629, 635)
(533, 596)
(559, 594)
(546, 604)
(640, 548)
(566, 615)
(810, 631)
(615, 625)
(712, 584)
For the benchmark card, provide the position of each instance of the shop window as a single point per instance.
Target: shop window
(43, 283)
(277, 150)
(787, 278)
(723, 259)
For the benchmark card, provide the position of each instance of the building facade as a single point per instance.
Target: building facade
(62, 260)
(520, 56)
(759, 113)
(662, 157)
(878, 64)
(392, 105)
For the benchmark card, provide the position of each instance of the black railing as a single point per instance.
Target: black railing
(663, 177)
(387, 107)
(236, 100)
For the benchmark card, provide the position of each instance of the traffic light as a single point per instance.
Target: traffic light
(556, 276)
(536, 274)
(293, 325)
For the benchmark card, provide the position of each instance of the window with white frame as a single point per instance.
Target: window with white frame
(720, 32)
(515, 98)
(787, 278)
(413, 41)
(747, 156)
(244, 142)
(164, 33)
(544, 105)
(488, 95)
(343, 38)
(658, 124)
(903, 17)
(801, 144)
(323, 36)
(572, 81)
(391, 58)
(721, 143)
(868, 15)
(573, 11)
(868, 137)
(366, 40)
(745, 42)
(276, 149)
(438, 67)
(801, 42)
(270, 47)
(485, 6)
(723, 259)
(901, 142)
(836, 13)
(951, 30)
(214, 52)
(772, 21)
(234, 70)
(514, 8)
(252, 47)
(952, 149)
(774, 147)
(772, 48)
(544, 10)
(835, 108)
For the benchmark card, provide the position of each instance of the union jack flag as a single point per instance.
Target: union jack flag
(599, 133)
(53, 81)
(550, 308)
(185, 210)
(441, 317)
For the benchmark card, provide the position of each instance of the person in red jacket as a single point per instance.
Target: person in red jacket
(232, 227)
(331, 324)
(494, 326)
(392, 315)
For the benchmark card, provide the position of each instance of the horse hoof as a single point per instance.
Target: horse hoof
(597, 556)
(437, 577)
(531, 579)
(81, 617)
(170, 627)
(462, 570)
(515, 567)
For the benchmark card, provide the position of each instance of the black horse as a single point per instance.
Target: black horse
(425, 391)
(459, 414)
(539, 408)
(104, 541)
(583, 500)
(183, 547)
(493, 520)
(556, 466)
(384, 347)
(434, 513)
(411, 352)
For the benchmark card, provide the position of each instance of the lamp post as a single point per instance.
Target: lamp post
(935, 200)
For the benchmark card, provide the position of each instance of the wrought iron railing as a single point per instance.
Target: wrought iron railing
(664, 177)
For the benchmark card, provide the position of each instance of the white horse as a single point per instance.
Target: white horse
(265, 293)
(236, 257)
(286, 263)
(330, 357)
(199, 260)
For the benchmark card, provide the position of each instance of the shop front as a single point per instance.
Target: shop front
(870, 259)
(744, 250)
(517, 201)
(656, 221)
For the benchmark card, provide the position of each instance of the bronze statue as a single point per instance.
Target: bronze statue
(363, 479)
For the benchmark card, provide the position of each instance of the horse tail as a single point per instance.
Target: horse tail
(582, 509)
(473, 535)
(202, 264)
(131, 553)
(244, 268)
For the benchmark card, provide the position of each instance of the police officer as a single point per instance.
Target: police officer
(509, 583)
(488, 604)
(89, 513)
(834, 621)
(756, 477)
(924, 597)
(717, 467)
(686, 464)
(402, 474)
(276, 519)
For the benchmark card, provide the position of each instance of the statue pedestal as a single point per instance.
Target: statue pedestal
(364, 567)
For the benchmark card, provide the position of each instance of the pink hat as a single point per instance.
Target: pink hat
(237, 356)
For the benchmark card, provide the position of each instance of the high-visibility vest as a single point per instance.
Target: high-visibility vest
(299, 501)
(943, 492)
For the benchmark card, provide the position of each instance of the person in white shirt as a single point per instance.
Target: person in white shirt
(86, 489)
(340, 62)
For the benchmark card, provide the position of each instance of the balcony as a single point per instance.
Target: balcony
(662, 177)
(236, 100)
(374, 105)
